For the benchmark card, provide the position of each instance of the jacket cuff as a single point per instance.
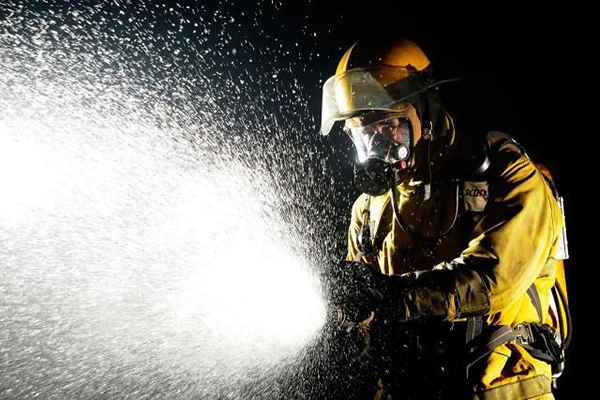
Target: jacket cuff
(449, 291)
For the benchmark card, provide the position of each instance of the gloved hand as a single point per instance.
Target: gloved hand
(356, 290)
(398, 299)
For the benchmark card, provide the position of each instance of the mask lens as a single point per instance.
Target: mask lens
(388, 140)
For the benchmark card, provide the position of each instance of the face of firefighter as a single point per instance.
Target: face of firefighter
(384, 143)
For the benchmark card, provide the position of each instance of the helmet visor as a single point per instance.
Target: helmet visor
(388, 139)
(358, 90)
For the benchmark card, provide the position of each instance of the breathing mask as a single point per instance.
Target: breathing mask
(382, 147)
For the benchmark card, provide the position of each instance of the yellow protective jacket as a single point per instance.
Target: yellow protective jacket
(504, 238)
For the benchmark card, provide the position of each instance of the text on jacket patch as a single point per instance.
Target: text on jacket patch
(475, 195)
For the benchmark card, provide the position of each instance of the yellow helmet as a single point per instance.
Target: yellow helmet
(375, 77)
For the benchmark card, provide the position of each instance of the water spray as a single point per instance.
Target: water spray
(144, 243)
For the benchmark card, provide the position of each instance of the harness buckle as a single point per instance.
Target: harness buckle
(524, 334)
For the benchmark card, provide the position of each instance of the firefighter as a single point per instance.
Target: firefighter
(465, 228)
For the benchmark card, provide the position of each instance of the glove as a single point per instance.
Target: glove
(396, 305)
(356, 289)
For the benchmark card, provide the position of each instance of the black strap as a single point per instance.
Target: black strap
(560, 298)
(474, 328)
(472, 336)
(498, 337)
(482, 345)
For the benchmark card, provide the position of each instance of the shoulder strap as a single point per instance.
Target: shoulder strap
(534, 296)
